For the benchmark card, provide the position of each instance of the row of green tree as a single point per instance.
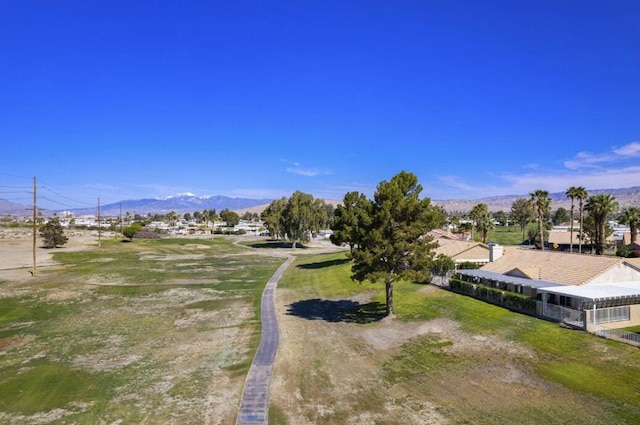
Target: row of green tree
(231, 218)
(388, 235)
(297, 218)
(593, 226)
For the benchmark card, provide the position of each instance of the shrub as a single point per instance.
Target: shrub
(497, 296)
(468, 265)
(53, 234)
(146, 234)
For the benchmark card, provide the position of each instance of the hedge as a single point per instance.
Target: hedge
(503, 298)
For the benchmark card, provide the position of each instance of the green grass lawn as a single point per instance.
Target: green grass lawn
(511, 235)
(163, 331)
(599, 378)
(152, 331)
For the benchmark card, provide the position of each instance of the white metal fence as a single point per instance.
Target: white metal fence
(562, 314)
(620, 335)
(613, 314)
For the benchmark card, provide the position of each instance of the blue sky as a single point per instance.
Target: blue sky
(129, 99)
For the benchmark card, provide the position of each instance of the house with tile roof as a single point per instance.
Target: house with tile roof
(563, 267)
(562, 240)
(587, 291)
(463, 251)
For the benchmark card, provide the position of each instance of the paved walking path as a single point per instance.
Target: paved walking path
(254, 406)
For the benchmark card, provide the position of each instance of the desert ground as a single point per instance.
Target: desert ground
(16, 250)
(170, 355)
(329, 369)
(334, 371)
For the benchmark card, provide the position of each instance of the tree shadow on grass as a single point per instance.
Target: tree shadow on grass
(322, 264)
(271, 244)
(346, 311)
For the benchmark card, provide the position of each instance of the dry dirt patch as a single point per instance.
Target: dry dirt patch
(326, 372)
(16, 251)
(334, 372)
(392, 334)
(185, 359)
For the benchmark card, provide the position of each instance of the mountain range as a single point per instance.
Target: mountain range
(188, 202)
(12, 208)
(180, 203)
(626, 197)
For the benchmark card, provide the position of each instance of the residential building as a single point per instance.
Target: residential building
(587, 291)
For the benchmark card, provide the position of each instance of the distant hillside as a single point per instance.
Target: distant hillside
(12, 208)
(626, 197)
(188, 202)
(259, 208)
(181, 203)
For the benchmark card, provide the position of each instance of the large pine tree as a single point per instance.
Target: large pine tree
(395, 243)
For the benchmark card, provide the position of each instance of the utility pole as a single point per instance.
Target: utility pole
(121, 219)
(99, 223)
(35, 227)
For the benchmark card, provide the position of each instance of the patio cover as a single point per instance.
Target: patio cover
(499, 277)
(599, 292)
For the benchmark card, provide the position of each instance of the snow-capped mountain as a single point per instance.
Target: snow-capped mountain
(180, 203)
(182, 195)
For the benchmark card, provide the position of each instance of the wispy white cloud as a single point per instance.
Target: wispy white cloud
(297, 169)
(584, 160)
(613, 169)
(592, 179)
(455, 182)
(632, 150)
(454, 187)
(337, 192)
(258, 193)
(522, 184)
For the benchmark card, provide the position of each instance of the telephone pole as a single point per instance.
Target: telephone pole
(35, 227)
(99, 223)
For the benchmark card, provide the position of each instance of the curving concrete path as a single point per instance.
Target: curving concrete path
(254, 406)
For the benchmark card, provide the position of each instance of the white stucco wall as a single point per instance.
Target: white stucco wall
(620, 273)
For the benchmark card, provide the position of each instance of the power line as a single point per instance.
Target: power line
(58, 197)
(14, 187)
(14, 191)
(16, 176)
(46, 198)
(73, 198)
(57, 193)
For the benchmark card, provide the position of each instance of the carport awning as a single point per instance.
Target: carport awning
(499, 277)
(597, 293)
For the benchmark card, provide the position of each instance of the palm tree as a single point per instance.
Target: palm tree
(206, 217)
(572, 193)
(581, 194)
(542, 204)
(599, 207)
(482, 220)
(522, 213)
(631, 216)
(484, 225)
(172, 217)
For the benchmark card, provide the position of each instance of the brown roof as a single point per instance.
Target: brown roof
(561, 267)
(463, 250)
(626, 238)
(564, 238)
(446, 234)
